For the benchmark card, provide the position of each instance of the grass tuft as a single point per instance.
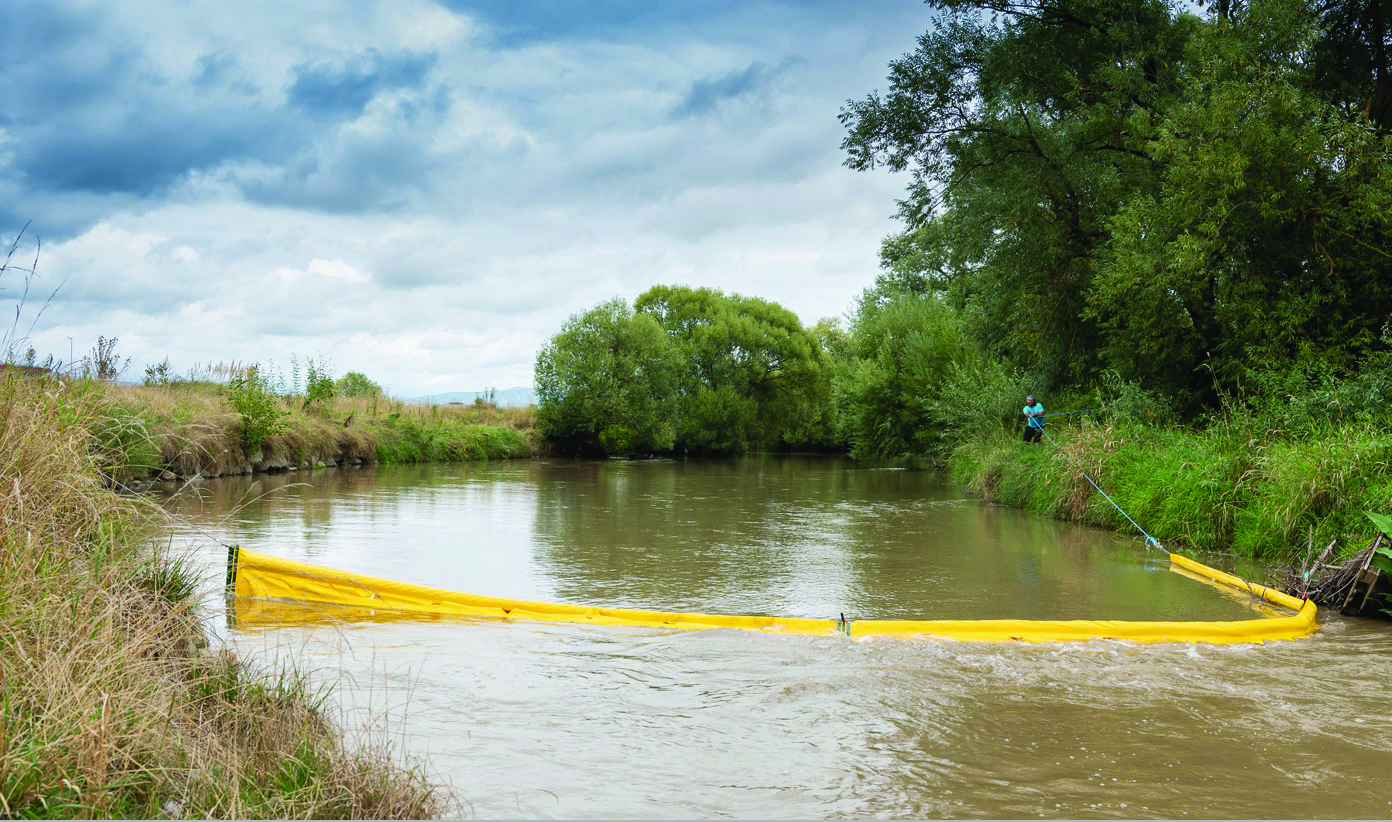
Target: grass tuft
(110, 705)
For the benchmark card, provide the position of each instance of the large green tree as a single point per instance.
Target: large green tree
(1024, 126)
(752, 376)
(684, 369)
(606, 383)
(1098, 184)
(1269, 237)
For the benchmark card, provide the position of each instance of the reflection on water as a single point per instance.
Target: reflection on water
(575, 721)
(789, 536)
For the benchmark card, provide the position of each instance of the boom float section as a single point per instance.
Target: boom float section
(259, 578)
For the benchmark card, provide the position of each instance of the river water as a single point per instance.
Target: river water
(547, 720)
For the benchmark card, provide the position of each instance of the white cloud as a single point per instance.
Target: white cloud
(438, 235)
(328, 269)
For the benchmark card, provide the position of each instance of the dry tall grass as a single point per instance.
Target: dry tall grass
(189, 428)
(111, 707)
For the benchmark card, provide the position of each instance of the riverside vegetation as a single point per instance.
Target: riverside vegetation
(1181, 213)
(233, 419)
(132, 715)
(112, 705)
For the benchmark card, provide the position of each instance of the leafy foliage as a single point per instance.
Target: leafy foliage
(689, 369)
(751, 375)
(161, 373)
(606, 383)
(255, 401)
(356, 384)
(1099, 185)
(1268, 234)
(1023, 134)
(319, 383)
(1380, 521)
(902, 350)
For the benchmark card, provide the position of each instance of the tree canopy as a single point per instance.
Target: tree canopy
(684, 369)
(1127, 185)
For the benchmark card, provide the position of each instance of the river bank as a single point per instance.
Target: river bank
(190, 430)
(114, 706)
(1230, 486)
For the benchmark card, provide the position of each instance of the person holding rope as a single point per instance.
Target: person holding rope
(1034, 427)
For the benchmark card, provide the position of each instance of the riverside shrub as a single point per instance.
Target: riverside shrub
(750, 374)
(911, 378)
(357, 384)
(251, 396)
(319, 384)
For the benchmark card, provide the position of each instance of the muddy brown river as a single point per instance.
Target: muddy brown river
(573, 721)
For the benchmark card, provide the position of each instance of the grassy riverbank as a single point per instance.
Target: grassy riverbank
(1230, 485)
(189, 429)
(112, 705)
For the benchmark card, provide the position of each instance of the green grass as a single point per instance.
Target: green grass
(444, 440)
(1223, 487)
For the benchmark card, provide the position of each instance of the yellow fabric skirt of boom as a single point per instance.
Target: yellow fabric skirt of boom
(259, 578)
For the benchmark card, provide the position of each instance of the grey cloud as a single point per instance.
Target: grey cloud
(222, 71)
(382, 168)
(141, 155)
(90, 113)
(345, 89)
(707, 93)
(354, 174)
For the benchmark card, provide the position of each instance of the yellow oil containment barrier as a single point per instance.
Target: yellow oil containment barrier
(254, 577)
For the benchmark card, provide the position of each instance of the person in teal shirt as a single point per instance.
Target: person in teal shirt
(1034, 428)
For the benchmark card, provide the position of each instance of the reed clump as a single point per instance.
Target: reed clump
(112, 706)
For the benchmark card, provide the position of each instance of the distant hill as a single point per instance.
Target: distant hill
(507, 398)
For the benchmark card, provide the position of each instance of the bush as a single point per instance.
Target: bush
(356, 384)
(161, 374)
(904, 350)
(102, 363)
(1127, 401)
(975, 397)
(319, 384)
(252, 398)
(606, 382)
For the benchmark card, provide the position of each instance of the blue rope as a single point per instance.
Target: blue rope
(1149, 540)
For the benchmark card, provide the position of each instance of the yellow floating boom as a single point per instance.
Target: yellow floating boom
(264, 578)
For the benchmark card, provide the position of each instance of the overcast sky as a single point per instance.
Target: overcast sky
(425, 191)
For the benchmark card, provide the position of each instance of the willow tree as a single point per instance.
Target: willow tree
(605, 383)
(752, 376)
(687, 370)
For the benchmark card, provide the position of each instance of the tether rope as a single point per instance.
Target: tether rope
(1150, 541)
